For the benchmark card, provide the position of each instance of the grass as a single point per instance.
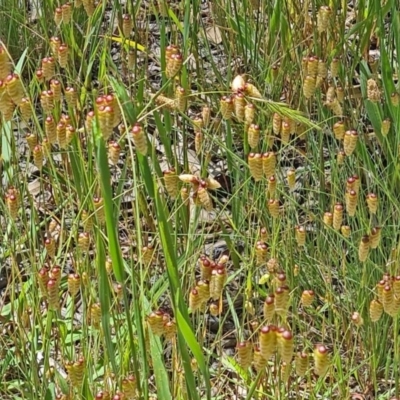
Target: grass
(106, 216)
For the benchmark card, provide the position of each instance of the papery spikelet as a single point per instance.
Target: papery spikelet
(281, 300)
(127, 25)
(165, 102)
(350, 142)
(363, 248)
(15, 88)
(95, 315)
(335, 65)
(238, 84)
(351, 202)
(375, 310)
(286, 347)
(147, 254)
(171, 181)
(47, 101)
(253, 136)
(203, 288)
(357, 183)
(269, 308)
(58, 15)
(267, 341)
(337, 216)
(396, 286)
(323, 18)
(373, 92)
(204, 197)
(156, 322)
(214, 309)
(180, 99)
(86, 221)
(351, 184)
(12, 202)
(55, 43)
(206, 268)
(25, 107)
(170, 50)
(98, 203)
(52, 294)
(239, 103)
(77, 370)
(375, 237)
(244, 354)
(61, 132)
(255, 161)
(330, 95)
(50, 245)
(286, 130)
(345, 230)
(84, 241)
(264, 234)
(66, 10)
(340, 157)
(340, 94)
(291, 178)
(269, 164)
(276, 124)
(394, 98)
(139, 139)
(271, 189)
(128, 386)
(217, 282)
(226, 107)
(301, 364)
(32, 140)
(388, 300)
(273, 207)
(38, 158)
(259, 361)
(372, 203)
(339, 130)
(195, 300)
(321, 360)
(71, 96)
(309, 86)
(4, 63)
(322, 69)
(43, 278)
(106, 121)
(307, 297)
(261, 253)
(249, 115)
(48, 68)
(357, 319)
(206, 115)
(74, 283)
(385, 127)
(55, 87)
(312, 66)
(335, 106)
(328, 219)
(300, 232)
(379, 289)
(197, 124)
(174, 65)
(114, 151)
(252, 91)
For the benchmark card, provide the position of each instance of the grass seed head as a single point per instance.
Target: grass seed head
(238, 84)
(372, 203)
(385, 128)
(259, 361)
(291, 179)
(58, 15)
(271, 189)
(301, 364)
(375, 237)
(375, 310)
(307, 298)
(128, 386)
(363, 248)
(276, 124)
(309, 86)
(226, 107)
(335, 66)
(357, 319)
(261, 253)
(394, 98)
(351, 202)
(255, 161)
(269, 164)
(95, 315)
(328, 219)
(252, 91)
(48, 68)
(337, 216)
(32, 140)
(345, 231)
(339, 130)
(286, 346)
(139, 139)
(25, 107)
(300, 233)
(52, 294)
(50, 245)
(180, 99)
(273, 207)
(217, 282)
(156, 322)
(249, 114)
(350, 142)
(267, 341)
(15, 89)
(43, 279)
(74, 283)
(321, 360)
(239, 103)
(66, 11)
(244, 354)
(253, 136)
(373, 92)
(323, 18)
(127, 25)
(4, 63)
(269, 308)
